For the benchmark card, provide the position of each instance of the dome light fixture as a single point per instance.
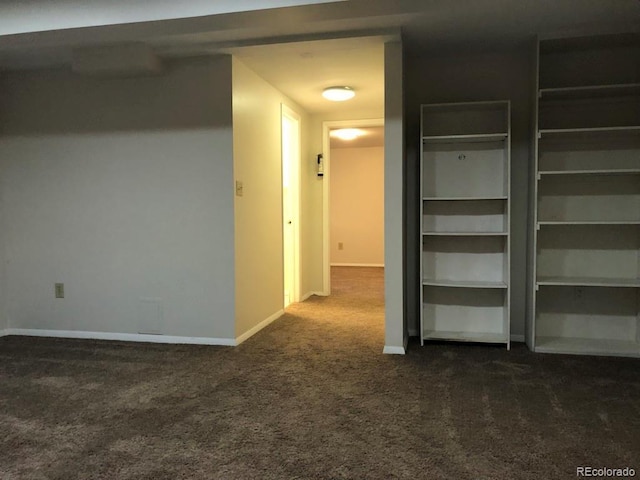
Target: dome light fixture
(347, 133)
(338, 94)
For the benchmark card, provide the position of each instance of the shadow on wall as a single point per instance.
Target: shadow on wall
(122, 190)
(188, 95)
(464, 76)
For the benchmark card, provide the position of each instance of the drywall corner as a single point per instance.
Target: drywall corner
(395, 324)
(265, 323)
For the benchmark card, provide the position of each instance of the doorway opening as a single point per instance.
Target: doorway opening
(296, 74)
(291, 139)
(353, 200)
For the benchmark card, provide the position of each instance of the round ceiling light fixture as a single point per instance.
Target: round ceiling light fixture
(347, 133)
(338, 94)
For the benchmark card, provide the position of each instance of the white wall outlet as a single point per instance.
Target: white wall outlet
(59, 290)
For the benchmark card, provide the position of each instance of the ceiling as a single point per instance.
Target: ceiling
(215, 24)
(290, 46)
(302, 70)
(42, 15)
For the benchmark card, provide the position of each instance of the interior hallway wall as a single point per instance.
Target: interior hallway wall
(463, 76)
(257, 153)
(122, 189)
(357, 206)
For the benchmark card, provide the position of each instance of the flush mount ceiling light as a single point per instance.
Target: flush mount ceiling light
(338, 94)
(347, 133)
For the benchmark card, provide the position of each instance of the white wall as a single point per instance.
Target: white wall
(122, 189)
(395, 306)
(258, 212)
(357, 206)
(465, 75)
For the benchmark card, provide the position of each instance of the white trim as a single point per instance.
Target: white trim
(296, 171)
(378, 265)
(125, 337)
(308, 295)
(258, 327)
(514, 338)
(326, 152)
(389, 350)
(3, 333)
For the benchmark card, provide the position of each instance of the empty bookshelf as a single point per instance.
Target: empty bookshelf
(465, 223)
(587, 197)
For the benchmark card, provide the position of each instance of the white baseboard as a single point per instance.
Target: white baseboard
(123, 337)
(258, 327)
(308, 295)
(389, 350)
(3, 333)
(378, 265)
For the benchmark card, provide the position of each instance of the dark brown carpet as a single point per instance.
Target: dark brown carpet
(312, 397)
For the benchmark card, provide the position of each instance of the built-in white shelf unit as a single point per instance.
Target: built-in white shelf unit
(586, 241)
(465, 223)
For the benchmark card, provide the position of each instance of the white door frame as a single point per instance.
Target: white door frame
(326, 225)
(295, 202)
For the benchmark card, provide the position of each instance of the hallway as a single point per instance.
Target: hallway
(354, 312)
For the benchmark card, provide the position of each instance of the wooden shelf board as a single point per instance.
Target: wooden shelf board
(588, 281)
(480, 337)
(553, 132)
(433, 282)
(565, 44)
(466, 106)
(587, 346)
(621, 171)
(590, 91)
(465, 234)
(456, 199)
(470, 138)
(590, 222)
